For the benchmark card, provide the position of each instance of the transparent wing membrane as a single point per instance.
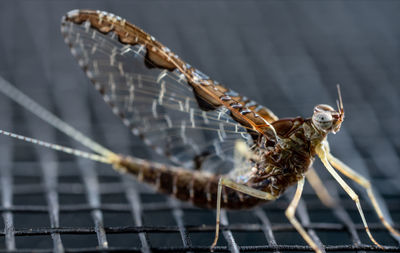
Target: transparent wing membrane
(156, 104)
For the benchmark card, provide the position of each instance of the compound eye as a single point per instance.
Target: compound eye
(323, 120)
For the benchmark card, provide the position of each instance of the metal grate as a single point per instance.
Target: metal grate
(288, 56)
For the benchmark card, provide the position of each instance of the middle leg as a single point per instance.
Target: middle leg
(290, 214)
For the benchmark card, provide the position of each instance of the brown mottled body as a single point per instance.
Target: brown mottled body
(284, 163)
(278, 169)
(197, 187)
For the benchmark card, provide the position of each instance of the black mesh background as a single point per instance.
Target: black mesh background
(287, 55)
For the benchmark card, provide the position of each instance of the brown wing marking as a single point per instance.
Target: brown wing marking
(285, 127)
(210, 94)
(262, 111)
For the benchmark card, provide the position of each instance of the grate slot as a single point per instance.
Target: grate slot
(266, 227)
(136, 210)
(7, 182)
(305, 221)
(178, 217)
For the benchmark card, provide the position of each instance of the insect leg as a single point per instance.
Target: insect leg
(322, 154)
(319, 188)
(365, 183)
(290, 214)
(238, 187)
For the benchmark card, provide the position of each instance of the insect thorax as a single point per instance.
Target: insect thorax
(286, 162)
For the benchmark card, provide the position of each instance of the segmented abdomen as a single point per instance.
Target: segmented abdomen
(198, 187)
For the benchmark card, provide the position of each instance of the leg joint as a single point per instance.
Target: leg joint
(289, 212)
(367, 184)
(355, 198)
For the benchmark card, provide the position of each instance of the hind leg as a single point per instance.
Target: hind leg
(322, 152)
(238, 187)
(290, 211)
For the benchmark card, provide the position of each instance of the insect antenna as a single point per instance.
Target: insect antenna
(29, 104)
(340, 101)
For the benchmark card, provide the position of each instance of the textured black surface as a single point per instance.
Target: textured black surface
(286, 55)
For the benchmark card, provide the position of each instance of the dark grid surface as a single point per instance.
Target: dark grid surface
(286, 55)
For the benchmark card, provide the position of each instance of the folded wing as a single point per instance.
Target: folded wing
(175, 108)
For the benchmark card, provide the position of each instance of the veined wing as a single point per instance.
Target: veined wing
(174, 107)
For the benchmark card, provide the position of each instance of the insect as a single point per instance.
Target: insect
(232, 152)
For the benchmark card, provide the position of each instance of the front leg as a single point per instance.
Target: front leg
(365, 183)
(323, 153)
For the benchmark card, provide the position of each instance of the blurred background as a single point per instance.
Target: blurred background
(286, 55)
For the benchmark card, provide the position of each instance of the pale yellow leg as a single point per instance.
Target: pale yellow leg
(322, 152)
(319, 188)
(290, 214)
(238, 187)
(359, 179)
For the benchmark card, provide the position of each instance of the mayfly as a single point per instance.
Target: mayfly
(232, 152)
